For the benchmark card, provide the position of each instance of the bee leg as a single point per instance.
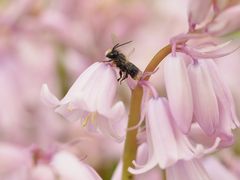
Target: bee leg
(124, 77)
(120, 74)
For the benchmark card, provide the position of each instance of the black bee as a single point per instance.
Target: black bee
(119, 59)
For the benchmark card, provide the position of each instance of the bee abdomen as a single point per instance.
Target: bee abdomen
(133, 71)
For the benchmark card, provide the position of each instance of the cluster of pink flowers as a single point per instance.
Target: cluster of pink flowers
(198, 115)
(195, 118)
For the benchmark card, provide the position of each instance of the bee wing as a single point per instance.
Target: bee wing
(114, 39)
(130, 53)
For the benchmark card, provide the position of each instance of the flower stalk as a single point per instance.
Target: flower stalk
(130, 147)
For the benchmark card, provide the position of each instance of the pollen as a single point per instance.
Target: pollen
(93, 117)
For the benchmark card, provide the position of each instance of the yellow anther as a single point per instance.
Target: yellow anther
(90, 117)
(93, 117)
(85, 121)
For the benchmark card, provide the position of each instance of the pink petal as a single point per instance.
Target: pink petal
(187, 170)
(115, 123)
(165, 146)
(80, 83)
(70, 114)
(42, 172)
(223, 93)
(142, 157)
(69, 167)
(204, 99)
(213, 142)
(147, 167)
(179, 91)
(107, 88)
(163, 137)
(224, 130)
(109, 129)
(216, 51)
(212, 165)
(13, 159)
(198, 10)
(48, 98)
(226, 22)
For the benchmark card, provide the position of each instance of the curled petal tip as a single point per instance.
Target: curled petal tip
(47, 97)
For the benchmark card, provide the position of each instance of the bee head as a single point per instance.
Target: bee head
(114, 53)
(111, 53)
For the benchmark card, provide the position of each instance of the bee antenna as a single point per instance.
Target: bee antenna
(118, 45)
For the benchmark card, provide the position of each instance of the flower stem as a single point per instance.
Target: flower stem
(130, 147)
(157, 59)
(164, 174)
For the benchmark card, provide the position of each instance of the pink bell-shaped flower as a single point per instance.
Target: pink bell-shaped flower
(205, 102)
(214, 109)
(91, 100)
(166, 143)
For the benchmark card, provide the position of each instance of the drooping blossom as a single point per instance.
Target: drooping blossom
(192, 78)
(202, 95)
(91, 100)
(205, 103)
(166, 143)
(219, 115)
